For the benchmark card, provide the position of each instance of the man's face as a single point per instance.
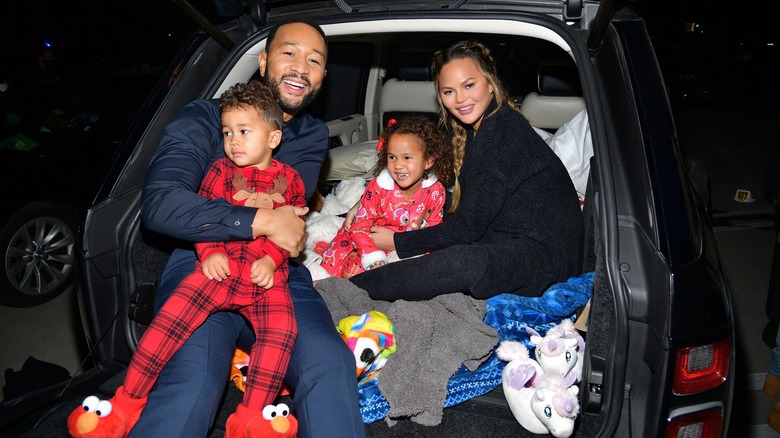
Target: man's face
(295, 64)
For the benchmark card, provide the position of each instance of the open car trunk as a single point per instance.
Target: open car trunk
(656, 279)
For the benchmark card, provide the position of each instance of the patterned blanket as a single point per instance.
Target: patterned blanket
(507, 315)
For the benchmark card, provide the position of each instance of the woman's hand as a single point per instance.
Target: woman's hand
(383, 238)
(283, 226)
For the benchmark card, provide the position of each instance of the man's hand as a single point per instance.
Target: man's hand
(262, 272)
(383, 238)
(216, 267)
(283, 225)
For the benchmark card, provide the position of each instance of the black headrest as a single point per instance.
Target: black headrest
(415, 66)
(414, 73)
(559, 80)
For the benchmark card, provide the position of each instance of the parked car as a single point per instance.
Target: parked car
(50, 174)
(659, 356)
(59, 128)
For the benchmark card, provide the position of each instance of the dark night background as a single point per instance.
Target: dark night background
(82, 33)
(97, 37)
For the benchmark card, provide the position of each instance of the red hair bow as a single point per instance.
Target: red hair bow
(381, 145)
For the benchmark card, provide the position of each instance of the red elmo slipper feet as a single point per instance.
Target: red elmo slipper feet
(112, 418)
(274, 421)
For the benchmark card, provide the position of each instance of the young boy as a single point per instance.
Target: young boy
(249, 277)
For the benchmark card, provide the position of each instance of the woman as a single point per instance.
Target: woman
(514, 224)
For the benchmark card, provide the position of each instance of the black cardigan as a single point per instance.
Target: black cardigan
(512, 184)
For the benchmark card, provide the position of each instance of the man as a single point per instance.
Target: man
(321, 372)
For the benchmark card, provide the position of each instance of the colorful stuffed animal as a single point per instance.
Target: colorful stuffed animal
(560, 350)
(371, 337)
(238, 368)
(540, 403)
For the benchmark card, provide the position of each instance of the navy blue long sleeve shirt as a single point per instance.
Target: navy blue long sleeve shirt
(189, 145)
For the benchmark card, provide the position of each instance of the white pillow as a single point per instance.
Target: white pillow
(348, 161)
(573, 145)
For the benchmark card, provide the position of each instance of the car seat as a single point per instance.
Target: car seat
(398, 97)
(558, 99)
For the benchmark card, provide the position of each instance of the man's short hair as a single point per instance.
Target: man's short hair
(303, 20)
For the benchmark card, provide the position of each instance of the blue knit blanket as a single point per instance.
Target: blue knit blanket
(509, 314)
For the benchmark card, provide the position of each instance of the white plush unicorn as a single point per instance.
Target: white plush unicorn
(540, 403)
(554, 403)
(561, 350)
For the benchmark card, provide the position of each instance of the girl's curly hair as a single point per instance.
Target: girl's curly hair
(257, 95)
(432, 140)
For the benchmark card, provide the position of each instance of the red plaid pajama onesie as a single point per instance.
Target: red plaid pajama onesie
(270, 311)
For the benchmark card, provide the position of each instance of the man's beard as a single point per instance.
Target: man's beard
(292, 107)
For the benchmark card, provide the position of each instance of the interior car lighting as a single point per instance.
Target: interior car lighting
(701, 368)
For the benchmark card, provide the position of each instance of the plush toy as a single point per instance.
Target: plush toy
(278, 423)
(96, 420)
(517, 378)
(274, 422)
(105, 418)
(540, 403)
(560, 350)
(277, 419)
(554, 403)
(371, 337)
(239, 367)
(345, 195)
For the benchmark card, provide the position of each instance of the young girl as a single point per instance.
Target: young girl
(515, 223)
(408, 193)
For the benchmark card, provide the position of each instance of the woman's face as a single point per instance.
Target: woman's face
(465, 91)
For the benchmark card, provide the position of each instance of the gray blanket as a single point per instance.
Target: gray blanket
(433, 337)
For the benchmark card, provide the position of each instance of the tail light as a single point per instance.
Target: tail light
(701, 424)
(701, 368)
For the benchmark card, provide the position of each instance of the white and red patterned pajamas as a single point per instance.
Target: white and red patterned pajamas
(352, 251)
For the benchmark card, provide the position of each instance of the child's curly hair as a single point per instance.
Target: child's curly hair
(257, 95)
(432, 141)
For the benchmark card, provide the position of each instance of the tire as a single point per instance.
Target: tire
(37, 255)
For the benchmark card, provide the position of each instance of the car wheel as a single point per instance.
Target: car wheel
(38, 256)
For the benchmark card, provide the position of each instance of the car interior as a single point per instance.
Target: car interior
(372, 78)
(375, 77)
